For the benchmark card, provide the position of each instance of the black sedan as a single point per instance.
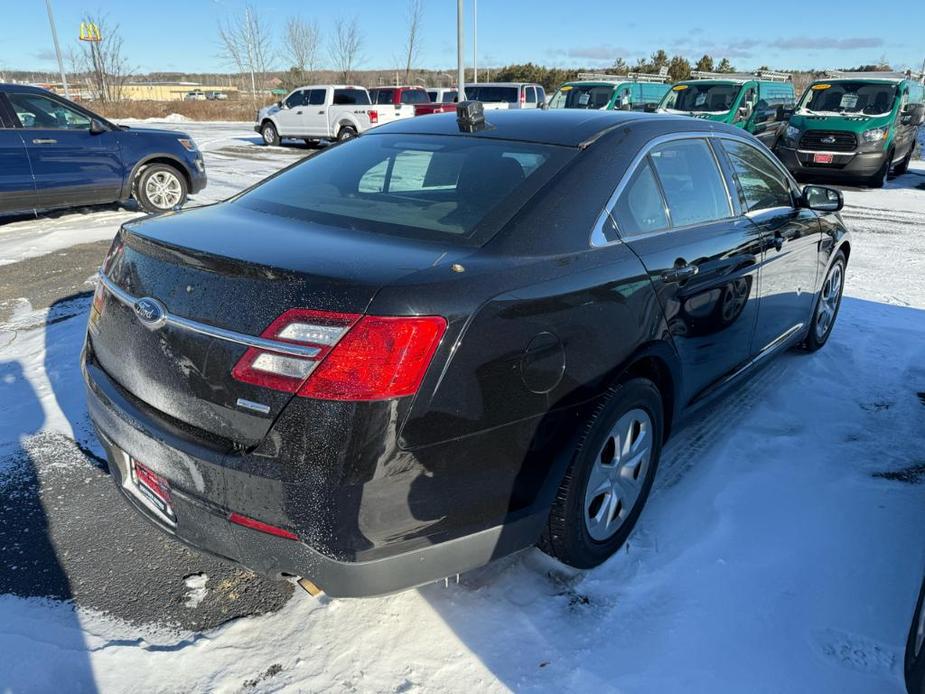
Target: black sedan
(449, 339)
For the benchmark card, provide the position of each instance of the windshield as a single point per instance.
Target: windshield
(706, 98)
(582, 96)
(867, 98)
(427, 187)
(477, 92)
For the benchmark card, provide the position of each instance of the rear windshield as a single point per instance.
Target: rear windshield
(582, 96)
(868, 98)
(420, 186)
(707, 98)
(344, 97)
(414, 96)
(477, 92)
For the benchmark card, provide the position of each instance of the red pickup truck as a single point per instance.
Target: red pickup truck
(404, 99)
(442, 100)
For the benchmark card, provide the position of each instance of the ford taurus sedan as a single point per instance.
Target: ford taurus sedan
(449, 339)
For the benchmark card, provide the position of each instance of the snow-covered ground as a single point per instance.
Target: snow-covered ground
(779, 551)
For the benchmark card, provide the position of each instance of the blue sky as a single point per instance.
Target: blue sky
(181, 34)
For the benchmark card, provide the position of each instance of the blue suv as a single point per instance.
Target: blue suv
(55, 153)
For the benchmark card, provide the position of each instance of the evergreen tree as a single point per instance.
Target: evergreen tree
(725, 66)
(705, 64)
(679, 69)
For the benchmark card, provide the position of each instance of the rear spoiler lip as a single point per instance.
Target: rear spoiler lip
(211, 330)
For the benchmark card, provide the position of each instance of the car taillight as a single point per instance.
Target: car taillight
(357, 357)
(374, 116)
(523, 95)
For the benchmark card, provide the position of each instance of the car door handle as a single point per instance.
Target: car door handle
(680, 274)
(298, 113)
(320, 113)
(40, 141)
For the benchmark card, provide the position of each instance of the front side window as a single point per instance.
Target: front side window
(701, 98)
(867, 98)
(427, 187)
(351, 97)
(641, 208)
(39, 111)
(762, 183)
(691, 181)
(295, 99)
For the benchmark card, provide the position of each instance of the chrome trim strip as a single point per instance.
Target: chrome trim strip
(824, 151)
(211, 330)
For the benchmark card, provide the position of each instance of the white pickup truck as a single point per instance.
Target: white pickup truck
(322, 112)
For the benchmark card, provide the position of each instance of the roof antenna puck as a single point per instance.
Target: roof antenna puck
(470, 115)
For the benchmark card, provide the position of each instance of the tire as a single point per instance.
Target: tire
(914, 662)
(159, 188)
(609, 477)
(312, 142)
(878, 180)
(903, 166)
(827, 305)
(269, 134)
(347, 132)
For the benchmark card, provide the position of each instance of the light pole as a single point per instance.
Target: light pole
(475, 41)
(460, 46)
(54, 36)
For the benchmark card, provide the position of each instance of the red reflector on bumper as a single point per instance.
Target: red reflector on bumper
(254, 524)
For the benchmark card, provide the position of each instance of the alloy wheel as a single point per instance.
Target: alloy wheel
(617, 477)
(163, 190)
(828, 301)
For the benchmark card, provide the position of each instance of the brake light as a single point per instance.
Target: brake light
(374, 116)
(523, 95)
(356, 358)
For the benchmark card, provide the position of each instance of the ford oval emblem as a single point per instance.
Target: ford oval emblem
(150, 312)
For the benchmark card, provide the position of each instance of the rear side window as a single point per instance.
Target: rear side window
(316, 97)
(641, 207)
(349, 97)
(418, 186)
(492, 94)
(530, 95)
(691, 181)
(762, 183)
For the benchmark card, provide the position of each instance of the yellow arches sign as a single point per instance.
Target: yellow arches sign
(90, 32)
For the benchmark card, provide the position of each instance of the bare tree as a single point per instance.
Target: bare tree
(415, 15)
(247, 43)
(345, 46)
(101, 63)
(300, 44)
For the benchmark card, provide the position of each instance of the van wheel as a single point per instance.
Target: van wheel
(609, 478)
(878, 180)
(269, 133)
(160, 187)
(903, 166)
(346, 133)
(827, 304)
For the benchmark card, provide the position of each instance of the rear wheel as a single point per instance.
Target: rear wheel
(827, 304)
(270, 134)
(347, 132)
(160, 187)
(609, 479)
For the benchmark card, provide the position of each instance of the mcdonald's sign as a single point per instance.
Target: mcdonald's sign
(90, 32)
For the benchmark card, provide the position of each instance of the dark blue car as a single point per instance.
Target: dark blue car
(55, 153)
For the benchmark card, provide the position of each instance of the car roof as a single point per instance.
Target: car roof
(499, 84)
(565, 127)
(9, 87)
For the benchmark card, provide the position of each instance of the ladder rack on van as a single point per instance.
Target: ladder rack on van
(766, 75)
(885, 75)
(661, 77)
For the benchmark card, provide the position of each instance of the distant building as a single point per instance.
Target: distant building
(172, 91)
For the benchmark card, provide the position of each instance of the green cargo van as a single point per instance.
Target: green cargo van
(757, 102)
(856, 126)
(636, 92)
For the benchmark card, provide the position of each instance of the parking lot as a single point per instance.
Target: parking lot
(782, 543)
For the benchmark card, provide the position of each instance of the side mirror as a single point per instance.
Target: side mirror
(784, 113)
(651, 108)
(745, 112)
(97, 127)
(822, 199)
(280, 104)
(906, 119)
(543, 105)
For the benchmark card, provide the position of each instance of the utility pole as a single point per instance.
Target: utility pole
(475, 41)
(460, 48)
(54, 36)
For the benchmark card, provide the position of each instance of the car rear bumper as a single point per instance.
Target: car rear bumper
(198, 479)
(852, 165)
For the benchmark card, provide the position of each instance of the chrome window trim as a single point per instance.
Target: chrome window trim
(188, 325)
(598, 238)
